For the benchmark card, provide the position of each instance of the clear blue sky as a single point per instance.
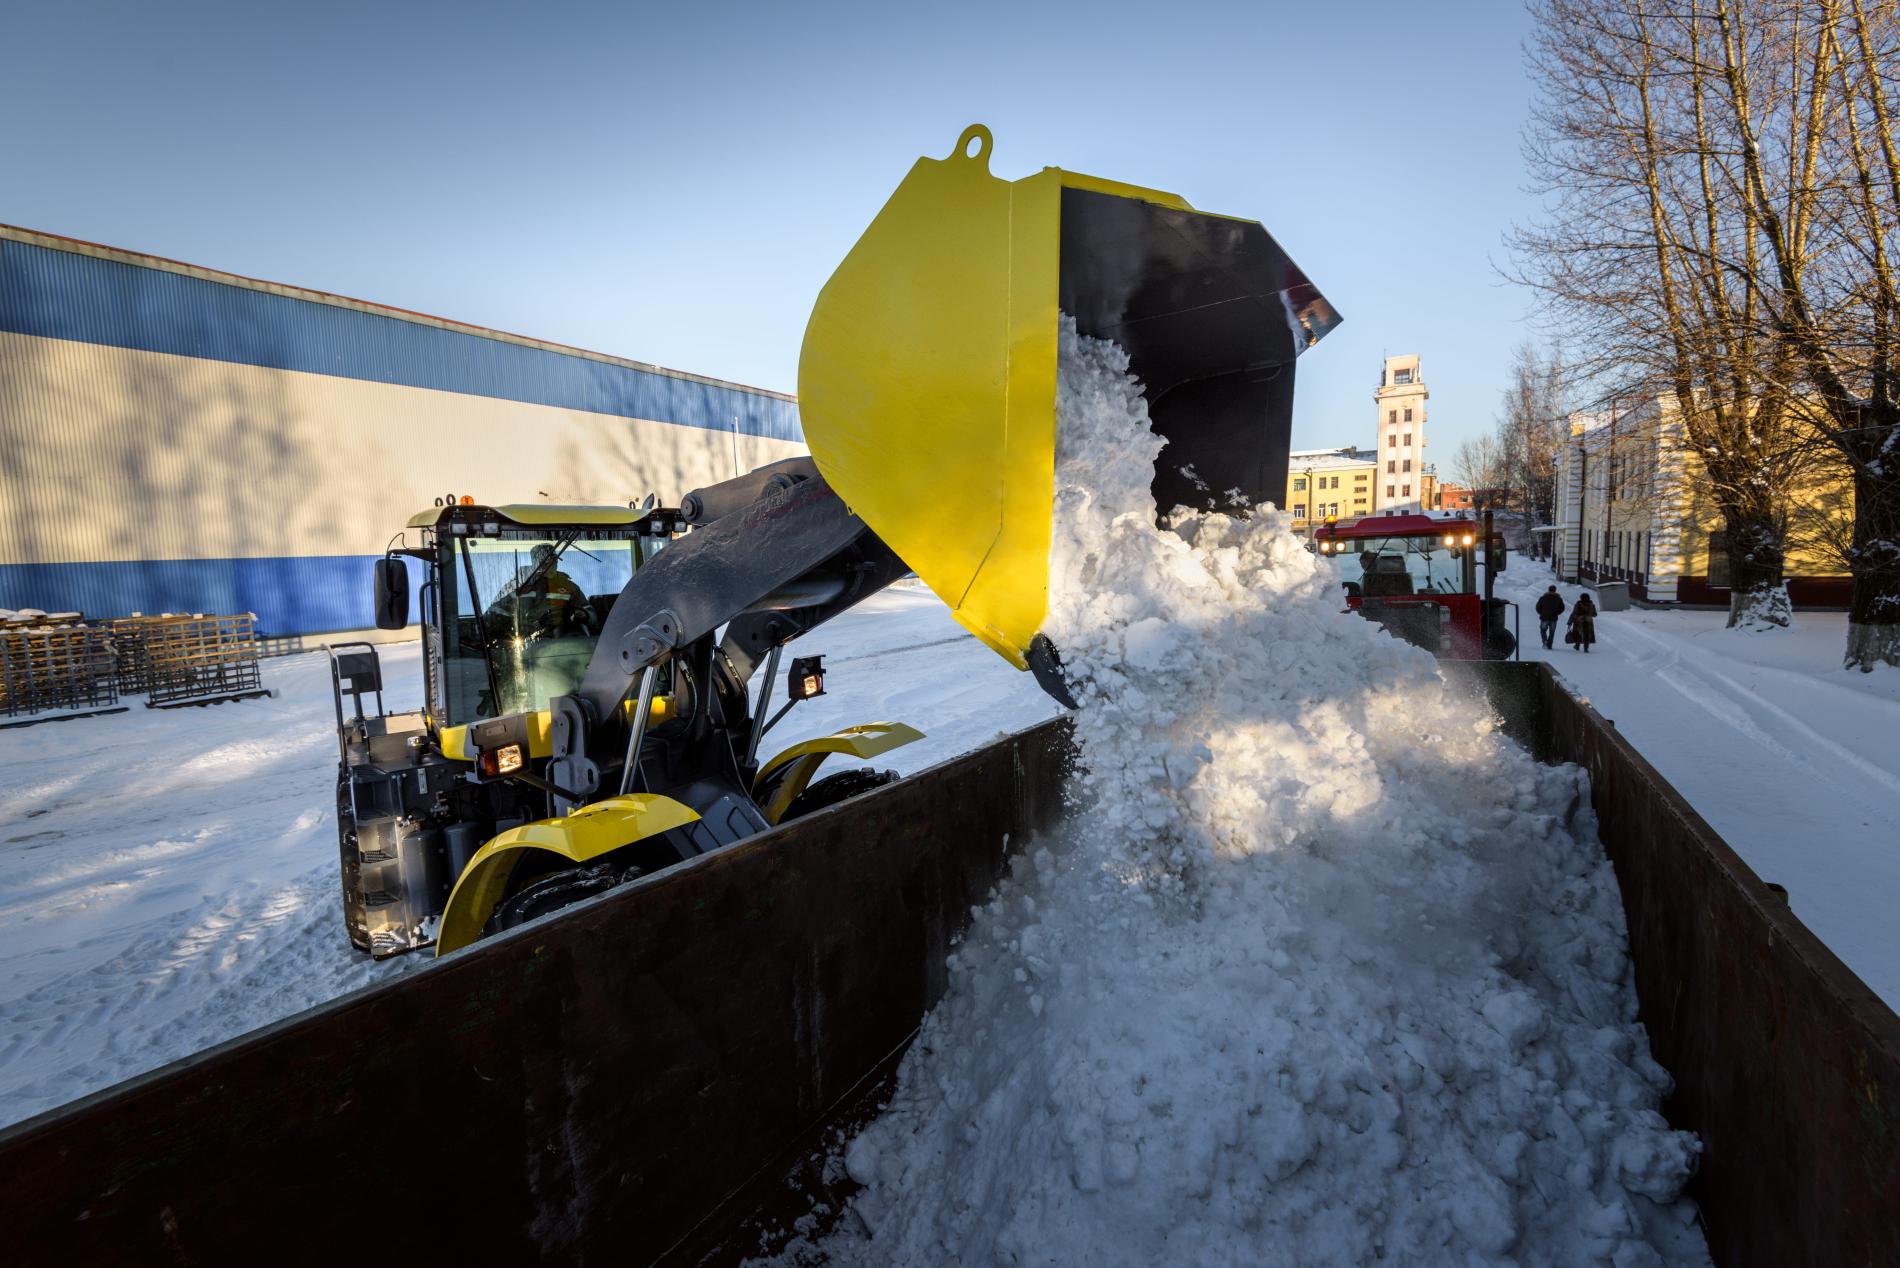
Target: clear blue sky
(674, 182)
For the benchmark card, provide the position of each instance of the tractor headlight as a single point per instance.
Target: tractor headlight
(505, 760)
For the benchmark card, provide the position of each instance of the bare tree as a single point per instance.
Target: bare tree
(1480, 465)
(1808, 98)
(1531, 431)
(1637, 258)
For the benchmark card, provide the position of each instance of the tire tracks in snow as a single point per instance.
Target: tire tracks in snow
(1744, 710)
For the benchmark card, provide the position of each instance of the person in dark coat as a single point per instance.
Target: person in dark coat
(1583, 623)
(1550, 606)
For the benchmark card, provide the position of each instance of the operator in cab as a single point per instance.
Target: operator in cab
(544, 599)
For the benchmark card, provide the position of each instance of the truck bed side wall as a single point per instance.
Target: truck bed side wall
(1786, 1064)
(583, 1090)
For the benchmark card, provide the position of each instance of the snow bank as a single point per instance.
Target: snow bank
(1323, 971)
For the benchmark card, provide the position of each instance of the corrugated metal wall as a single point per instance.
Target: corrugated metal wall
(177, 440)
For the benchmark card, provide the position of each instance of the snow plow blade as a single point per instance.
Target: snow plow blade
(927, 380)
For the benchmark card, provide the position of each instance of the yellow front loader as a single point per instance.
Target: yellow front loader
(927, 390)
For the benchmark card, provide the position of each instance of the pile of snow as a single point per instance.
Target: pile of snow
(1324, 970)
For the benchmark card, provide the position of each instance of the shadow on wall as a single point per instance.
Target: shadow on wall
(137, 481)
(615, 463)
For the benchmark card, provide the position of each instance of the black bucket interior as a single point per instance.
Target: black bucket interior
(1213, 315)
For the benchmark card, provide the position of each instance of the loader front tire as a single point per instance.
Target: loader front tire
(832, 789)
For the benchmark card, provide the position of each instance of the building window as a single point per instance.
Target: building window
(1408, 415)
(1358, 501)
(1389, 493)
(1408, 440)
(1299, 486)
(1335, 482)
(1408, 490)
(1299, 510)
(1408, 465)
(1391, 416)
(1392, 441)
(1391, 468)
(1401, 377)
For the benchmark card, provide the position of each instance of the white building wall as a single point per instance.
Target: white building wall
(1401, 437)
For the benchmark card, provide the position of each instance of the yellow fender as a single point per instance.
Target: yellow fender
(794, 767)
(581, 837)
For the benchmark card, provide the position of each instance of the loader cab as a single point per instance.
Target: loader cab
(1417, 576)
(514, 598)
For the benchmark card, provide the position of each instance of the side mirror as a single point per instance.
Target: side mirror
(1499, 552)
(392, 593)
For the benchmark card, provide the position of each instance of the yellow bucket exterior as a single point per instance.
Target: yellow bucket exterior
(927, 379)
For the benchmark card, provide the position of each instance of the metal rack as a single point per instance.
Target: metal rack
(198, 659)
(49, 664)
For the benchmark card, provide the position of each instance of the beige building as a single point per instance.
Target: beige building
(1633, 507)
(1401, 485)
(1327, 484)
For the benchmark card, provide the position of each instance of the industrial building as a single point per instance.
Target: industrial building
(175, 439)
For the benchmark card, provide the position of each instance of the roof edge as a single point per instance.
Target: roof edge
(119, 255)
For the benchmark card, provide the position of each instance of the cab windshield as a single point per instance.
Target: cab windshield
(1388, 567)
(521, 614)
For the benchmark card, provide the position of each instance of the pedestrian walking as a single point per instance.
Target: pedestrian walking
(1550, 606)
(1583, 624)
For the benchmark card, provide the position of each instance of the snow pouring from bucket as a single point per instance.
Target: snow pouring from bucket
(1323, 970)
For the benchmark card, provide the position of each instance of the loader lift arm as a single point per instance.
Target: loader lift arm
(769, 570)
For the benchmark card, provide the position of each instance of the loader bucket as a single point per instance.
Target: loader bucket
(927, 380)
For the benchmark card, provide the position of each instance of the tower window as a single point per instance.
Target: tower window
(1408, 490)
(1392, 440)
(1408, 466)
(1389, 492)
(1391, 416)
(1408, 440)
(1408, 415)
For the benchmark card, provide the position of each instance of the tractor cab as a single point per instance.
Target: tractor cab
(513, 599)
(1417, 576)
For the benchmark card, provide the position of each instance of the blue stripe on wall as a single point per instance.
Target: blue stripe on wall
(290, 595)
(66, 295)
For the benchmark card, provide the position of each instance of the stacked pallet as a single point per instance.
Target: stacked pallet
(193, 659)
(55, 663)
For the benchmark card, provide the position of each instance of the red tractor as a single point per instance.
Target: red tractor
(1418, 577)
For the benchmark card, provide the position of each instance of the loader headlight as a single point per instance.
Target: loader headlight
(505, 760)
(807, 678)
(1468, 539)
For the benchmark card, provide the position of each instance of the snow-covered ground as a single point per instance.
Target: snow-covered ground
(168, 878)
(1795, 761)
